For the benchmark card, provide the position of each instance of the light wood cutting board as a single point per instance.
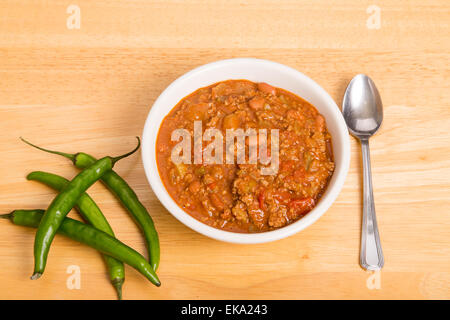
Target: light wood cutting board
(90, 89)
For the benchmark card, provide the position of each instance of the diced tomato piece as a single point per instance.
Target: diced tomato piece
(231, 121)
(301, 206)
(212, 185)
(266, 88)
(257, 103)
(194, 187)
(320, 123)
(282, 196)
(198, 111)
(215, 200)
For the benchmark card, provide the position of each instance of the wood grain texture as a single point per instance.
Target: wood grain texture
(91, 89)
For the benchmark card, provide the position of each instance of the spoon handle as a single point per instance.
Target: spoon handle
(371, 257)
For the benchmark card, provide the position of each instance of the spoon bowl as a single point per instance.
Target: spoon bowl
(362, 107)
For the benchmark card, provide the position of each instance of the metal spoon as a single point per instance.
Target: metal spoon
(363, 113)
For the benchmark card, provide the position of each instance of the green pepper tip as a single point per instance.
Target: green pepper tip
(117, 283)
(66, 155)
(36, 276)
(6, 215)
(31, 175)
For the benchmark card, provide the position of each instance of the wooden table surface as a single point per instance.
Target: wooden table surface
(90, 89)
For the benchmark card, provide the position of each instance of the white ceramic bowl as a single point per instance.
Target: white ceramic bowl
(255, 70)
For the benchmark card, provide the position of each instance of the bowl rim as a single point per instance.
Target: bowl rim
(164, 197)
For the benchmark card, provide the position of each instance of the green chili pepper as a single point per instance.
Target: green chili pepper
(126, 195)
(90, 236)
(63, 203)
(92, 213)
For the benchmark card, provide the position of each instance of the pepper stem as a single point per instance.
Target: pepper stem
(67, 155)
(115, 159)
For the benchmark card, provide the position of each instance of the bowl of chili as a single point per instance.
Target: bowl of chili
(236, 202)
